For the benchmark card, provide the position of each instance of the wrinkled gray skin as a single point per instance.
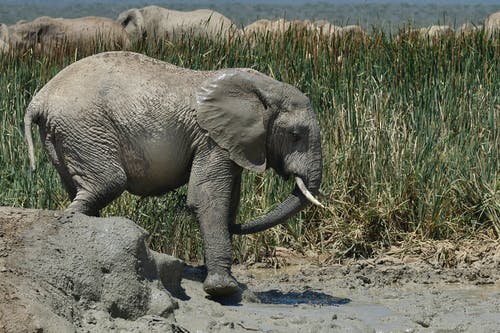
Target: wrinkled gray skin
(122, 121)
(159, 22)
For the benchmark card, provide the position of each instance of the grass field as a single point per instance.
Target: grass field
(410, 132)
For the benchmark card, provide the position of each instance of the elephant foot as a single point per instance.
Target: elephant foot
(220, 284)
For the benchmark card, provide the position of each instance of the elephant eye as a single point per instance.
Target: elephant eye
(294, 136)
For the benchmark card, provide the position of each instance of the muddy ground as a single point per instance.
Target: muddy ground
(63, 273)
(395, 292)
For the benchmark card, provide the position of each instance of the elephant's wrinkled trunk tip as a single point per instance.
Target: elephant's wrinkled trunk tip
(306, 193)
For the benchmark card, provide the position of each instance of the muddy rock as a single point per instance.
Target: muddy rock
(72, 273)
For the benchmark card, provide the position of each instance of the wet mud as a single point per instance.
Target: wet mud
(65, 273)
(390, 293)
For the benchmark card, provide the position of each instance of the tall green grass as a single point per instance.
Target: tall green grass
(410, 132)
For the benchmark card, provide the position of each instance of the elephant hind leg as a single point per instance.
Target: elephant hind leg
(95, 172)
(58, 161)
(92, 196)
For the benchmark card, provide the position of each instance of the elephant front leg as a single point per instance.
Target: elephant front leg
(213, 182)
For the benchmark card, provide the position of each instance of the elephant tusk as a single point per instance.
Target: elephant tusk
(306, 192)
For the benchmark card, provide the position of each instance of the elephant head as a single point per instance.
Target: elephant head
(132, 21)
(264, 123)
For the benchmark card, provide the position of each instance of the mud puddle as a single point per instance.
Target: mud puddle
(418, 308)
(376, 295)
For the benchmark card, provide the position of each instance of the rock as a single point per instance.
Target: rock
(74, 273)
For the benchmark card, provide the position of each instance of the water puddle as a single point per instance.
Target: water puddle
(275, 296)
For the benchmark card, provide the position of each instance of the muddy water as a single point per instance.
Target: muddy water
(403, 298)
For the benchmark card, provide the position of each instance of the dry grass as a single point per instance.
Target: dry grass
(410, 135)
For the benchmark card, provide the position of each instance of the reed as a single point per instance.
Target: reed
(410, 131)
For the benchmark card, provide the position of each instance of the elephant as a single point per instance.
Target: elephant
(120, 121)
(431, 34)
(435, 31)
(327, 29)
(158, 22)
(333, 31)
(264, 26)
(50, 33)
(492, 25)
(467, 29)
(280, 26)
(4, 38)
(352, 31)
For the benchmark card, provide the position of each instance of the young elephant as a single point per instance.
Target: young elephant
(122, 121)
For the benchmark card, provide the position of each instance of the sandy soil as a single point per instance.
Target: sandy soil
(394, 292)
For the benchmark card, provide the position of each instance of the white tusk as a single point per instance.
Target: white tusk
(306, 192)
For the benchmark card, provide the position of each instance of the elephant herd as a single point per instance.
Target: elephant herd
(156, 22)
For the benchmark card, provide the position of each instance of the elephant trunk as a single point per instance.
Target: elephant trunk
(300, 197)
(295, 202)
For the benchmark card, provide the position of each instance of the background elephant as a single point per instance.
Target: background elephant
(492, 25)
(122, 121)
(4, 38)
(352, 31)
(154, 21)
(432, 33)
(280, 26)
(327, 29)
(264, 26)
(467, 29)
(81, 32)
(435, 31)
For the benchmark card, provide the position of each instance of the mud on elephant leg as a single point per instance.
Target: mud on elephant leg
(214, 179)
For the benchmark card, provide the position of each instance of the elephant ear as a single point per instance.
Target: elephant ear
(231, 109)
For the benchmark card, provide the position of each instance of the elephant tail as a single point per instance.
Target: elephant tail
(30, 115)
